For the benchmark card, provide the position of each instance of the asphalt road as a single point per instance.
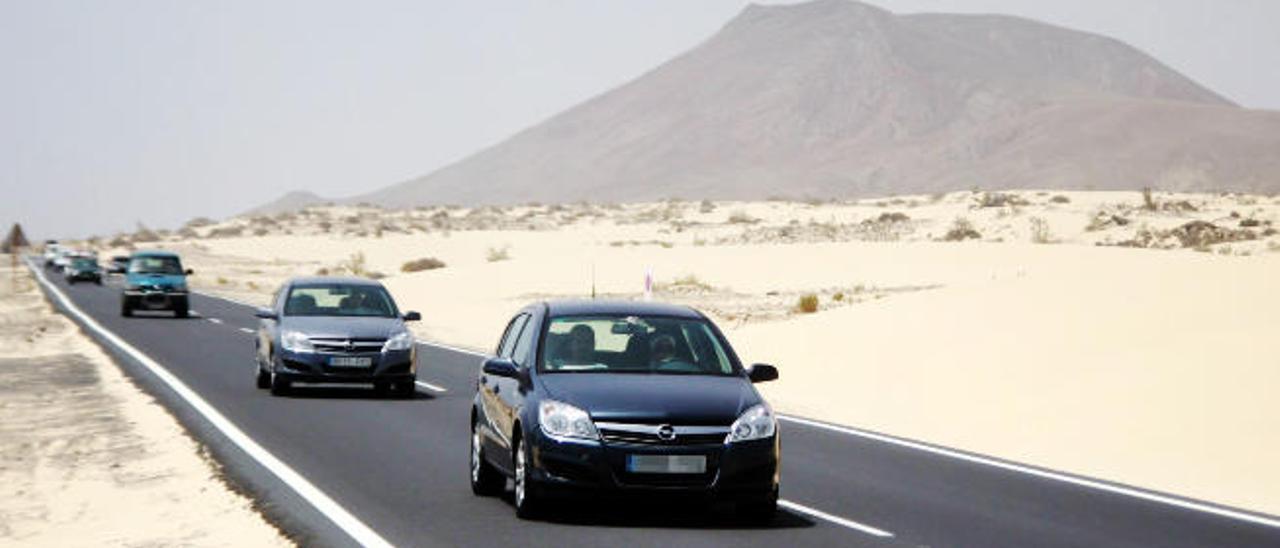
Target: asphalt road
(399, 467)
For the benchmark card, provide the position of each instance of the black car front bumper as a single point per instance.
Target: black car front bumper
(742, 471)
(155, 299)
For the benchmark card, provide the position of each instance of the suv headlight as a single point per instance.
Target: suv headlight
(400, 341)
(561, 420)
(296, 341)
(753, 424)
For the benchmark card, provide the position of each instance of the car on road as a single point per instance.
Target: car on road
(155, 280)
(335, 330)
(614, 397)
(119, 265)
(51, 250)
(83, 269)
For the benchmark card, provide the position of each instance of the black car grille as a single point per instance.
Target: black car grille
(348, 346)
(656, 434)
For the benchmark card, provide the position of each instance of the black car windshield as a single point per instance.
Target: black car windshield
(339, 300)
(634, 344)
(155, 265)
(84, 264)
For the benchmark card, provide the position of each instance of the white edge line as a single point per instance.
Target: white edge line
(457, 349)
(350, 524)
(833, 519)
(431, 387)
(215, 320)
(1082, 482)
(246, 330)
(228, 299)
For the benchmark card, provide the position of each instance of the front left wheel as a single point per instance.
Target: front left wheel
(528, 503)
(485, 479)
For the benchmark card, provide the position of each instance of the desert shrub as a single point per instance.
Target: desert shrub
(425, 263)
(260, 231)
(375, 275)
(496, 254)
(1103, 220)
(1000, 199)
(322, 271)
(226, 232)
(808, 303)
(1148, 201)
(325, 226)
(1059, 199)
(961, 230)
(1249, 223)
(223, 281)
(356, 264)
(198, 222)
(145, 234)
(707, 206)
(742, 218)
(188, 233)
(1201, 234)
(839, 296)
(1040, 231)
(891, 217)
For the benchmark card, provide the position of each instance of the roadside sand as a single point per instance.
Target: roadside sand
(86, 459)
(1152, 367)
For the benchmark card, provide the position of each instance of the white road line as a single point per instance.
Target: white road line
(228, 299)
(350, 524)
(246, 330)
(1082, 482)
(431, 387)
(812, 512)
(457, 349)
(215, 320)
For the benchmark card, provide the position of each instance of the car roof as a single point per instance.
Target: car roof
(332, 280)
(576, 307)
(154, 253)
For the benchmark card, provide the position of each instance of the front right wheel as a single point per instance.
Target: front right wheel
(528, 504)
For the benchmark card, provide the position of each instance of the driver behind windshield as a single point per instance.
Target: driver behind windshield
(581, 346)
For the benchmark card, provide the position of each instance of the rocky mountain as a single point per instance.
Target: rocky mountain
(835, 98)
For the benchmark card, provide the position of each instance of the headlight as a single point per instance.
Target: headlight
(296, 341)
(178, 288)
(401, 341)
(754, 424)
(561, 420)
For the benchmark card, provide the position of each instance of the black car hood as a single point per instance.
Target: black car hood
(652, 398)
(339, 327)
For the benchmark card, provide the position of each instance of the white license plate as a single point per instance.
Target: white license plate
(667, 464)
(351, 362)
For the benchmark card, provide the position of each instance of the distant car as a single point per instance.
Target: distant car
(51, 249)
(118, 265)
(83, 269)
(594, 397)
(61, 258)
(155, 280)
(335, 330)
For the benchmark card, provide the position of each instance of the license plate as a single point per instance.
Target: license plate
(667, 464)
(350, 362)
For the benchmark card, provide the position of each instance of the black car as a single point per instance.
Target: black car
(595, 397)
(83, 269)
(335, 330)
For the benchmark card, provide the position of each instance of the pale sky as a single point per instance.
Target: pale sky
(159, 111)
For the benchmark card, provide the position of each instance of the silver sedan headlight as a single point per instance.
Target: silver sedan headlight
(296, 341)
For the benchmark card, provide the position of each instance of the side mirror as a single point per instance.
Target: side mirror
(265, 313)
(501, 367)
(412, 316)
(762, 372)
(189, 272)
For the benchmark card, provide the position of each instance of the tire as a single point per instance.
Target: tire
(181, 308)
(97, 281)
(280, 386)
(126, 310)
(71, 281)
(485, 479)
(758, 511)
(527, 500)
(264, 378)
(404, 390)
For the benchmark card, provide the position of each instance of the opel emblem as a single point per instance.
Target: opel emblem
(350, 347)
(666, 432)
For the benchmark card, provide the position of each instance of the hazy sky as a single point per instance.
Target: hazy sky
(159, 111)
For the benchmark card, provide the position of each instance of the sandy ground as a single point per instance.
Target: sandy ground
(86, 459)
(1101, 333)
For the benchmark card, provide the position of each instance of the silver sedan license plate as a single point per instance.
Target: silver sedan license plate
(667, 464)
(351, 362)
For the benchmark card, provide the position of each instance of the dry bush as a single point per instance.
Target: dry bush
(1040, 231)
(808, 303)
(1060, 199)
(356, 264)
(425, 263)
(1000, 199)
(199, 222)
(1148, 201)
(707, 206)
(742, 218)
(496, 254)
(961, 230)
(1103, 220)
(227, 232)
